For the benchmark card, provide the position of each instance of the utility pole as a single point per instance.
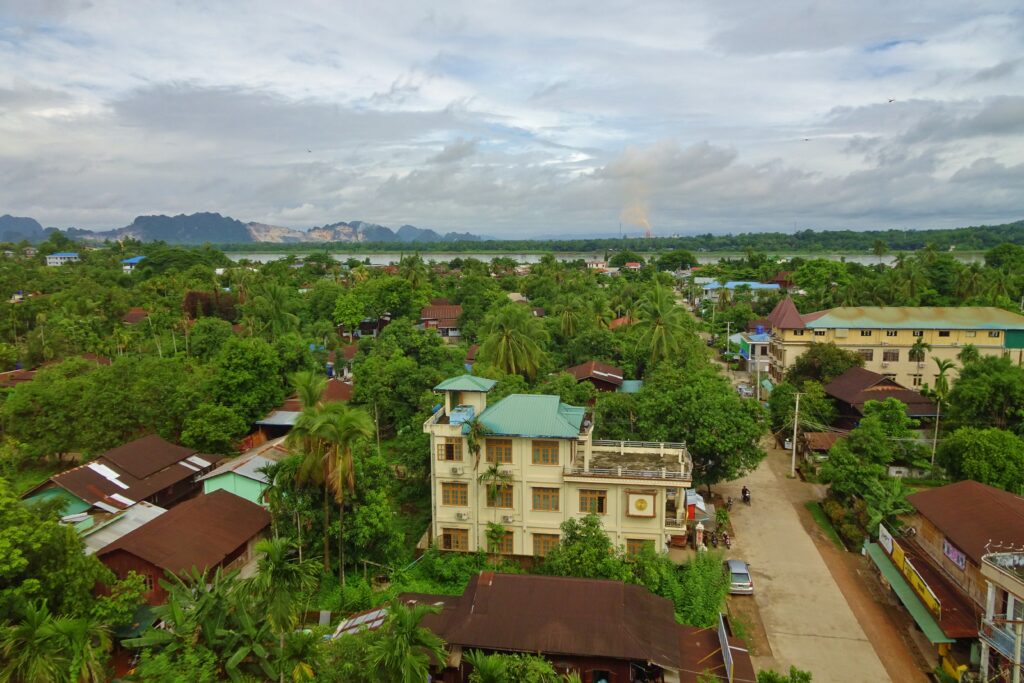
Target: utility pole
(796, 421)
(935, 434)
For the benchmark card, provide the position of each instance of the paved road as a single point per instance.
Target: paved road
(808, 622)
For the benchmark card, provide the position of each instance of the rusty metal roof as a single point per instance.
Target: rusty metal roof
(857, 386)
(560, 615)
(785, 316)
(971, 514)
(820, 441)
(446, 316)
(596, 370)
(146, 456)
(916, 318)
(201, 532)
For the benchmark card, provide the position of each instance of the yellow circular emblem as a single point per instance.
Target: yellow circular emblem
(640, 504)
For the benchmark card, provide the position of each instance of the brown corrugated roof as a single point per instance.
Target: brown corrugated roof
(593, 369)
(560, 615)
(446, 316)
(135, 315)
(700, 652)
(857, 386)
(820, 441)
(13, 378)
(471, 353)
(959, 616)
(335, 390)
(200, 532)
(145, 456)
(971, 514)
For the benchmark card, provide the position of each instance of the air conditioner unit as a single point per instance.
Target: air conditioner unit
(462, 516)
(456, 470)
(885, 364)
(507, 519)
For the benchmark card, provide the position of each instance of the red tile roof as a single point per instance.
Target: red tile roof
(619, 322)
(785, 316)
(596, 370)
(201, 532)
(445, 316)
(971, 515)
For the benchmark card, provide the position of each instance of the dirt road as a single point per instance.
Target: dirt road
(807, 619)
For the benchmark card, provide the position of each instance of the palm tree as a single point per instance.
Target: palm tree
(886, 501)
(414, 270)
(914, 282)
(880, 249)
(494, 478)
(307, 438)
(89, 643)
(309, 386)
(30, 650)
(970, 281)
(404, 650)
(271, 310)
(941, 382)
(278, 585)
(968, 354)
(486, 668)
(662, 324)
(570, 318)
(475, 435)
(512, 341)
(344, 428)
(918, 350)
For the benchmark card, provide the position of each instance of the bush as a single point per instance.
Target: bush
(722, 517)
(852, 534)
(834, 510)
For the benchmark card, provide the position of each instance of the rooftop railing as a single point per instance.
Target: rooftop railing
(626, 473)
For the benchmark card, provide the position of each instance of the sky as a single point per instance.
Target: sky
(516, 119)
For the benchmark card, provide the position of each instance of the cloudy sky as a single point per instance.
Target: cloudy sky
(516, 118)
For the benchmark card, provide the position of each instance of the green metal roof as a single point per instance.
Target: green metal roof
(907, 596)
(533, 415)
(631, 386)
(466, 383)
(916, 318)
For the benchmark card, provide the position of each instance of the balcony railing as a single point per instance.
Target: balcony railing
(627, 446)
(625, 473)
(998, 637)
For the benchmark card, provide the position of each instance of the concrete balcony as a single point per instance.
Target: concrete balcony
(644, 462)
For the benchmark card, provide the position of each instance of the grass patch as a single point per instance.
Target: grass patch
(23, 479)
(744, 630)
(822, 520)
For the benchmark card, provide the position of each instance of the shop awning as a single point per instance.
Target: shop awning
(907, 596)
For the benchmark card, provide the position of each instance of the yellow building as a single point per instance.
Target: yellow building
(885, 337)
(554, 471)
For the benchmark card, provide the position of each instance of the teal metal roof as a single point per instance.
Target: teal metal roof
(533, 415)
(916, 318)
(631, 386)
(466, 383)
(930, 627)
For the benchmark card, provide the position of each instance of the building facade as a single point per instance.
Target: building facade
(552, 470)
(889, 338)
(1002, 629)
(62, 257)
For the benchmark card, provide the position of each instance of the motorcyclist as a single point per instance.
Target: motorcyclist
(746, 495)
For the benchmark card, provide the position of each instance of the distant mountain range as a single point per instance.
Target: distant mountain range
(213, 227)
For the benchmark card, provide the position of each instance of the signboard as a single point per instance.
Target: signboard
(723, 641)
(641, 505)
(885, 538)
(955, 555)
(922, 589)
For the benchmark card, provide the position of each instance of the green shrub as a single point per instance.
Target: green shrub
(852, 534)
(834, 510)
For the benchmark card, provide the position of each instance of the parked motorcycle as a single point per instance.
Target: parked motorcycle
(714, 539)
(726, 540)
(728, 503)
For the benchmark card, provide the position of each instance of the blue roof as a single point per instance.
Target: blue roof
(133, 259)
(68, 254)
(733, 284)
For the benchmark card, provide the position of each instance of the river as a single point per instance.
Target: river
(385, 258)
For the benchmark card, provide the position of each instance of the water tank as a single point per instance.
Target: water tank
(461, 414)
(760, 329)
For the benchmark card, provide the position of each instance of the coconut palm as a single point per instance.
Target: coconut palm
(476, 432)
(309, 386)
(493, 478)
(968, 354)
(886, 501)
(486, 668)
(570, 317)
(918, 350)
(404, 650)
(941, 381)
(279, 583)
(307, 438)
(344, 427)
(413, 269)
(271, 310)
(970, 281)
(512, 341)
(662, 324)
(880, 249)
(89, 643)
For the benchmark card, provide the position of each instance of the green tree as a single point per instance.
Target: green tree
(349, 311)
(585, 551)
(816, 409)
(404, 649)
(207, 336)
(513, 341)
(849, 475)
(822, 363)
(211, 428)
(623, 257)
(887, 501)
(677, 259)
(272, 310)
(246, 377)
(919, 350)
(988, 393)
(704, 586)
(662, 325)
(969, 353)
(991, 456)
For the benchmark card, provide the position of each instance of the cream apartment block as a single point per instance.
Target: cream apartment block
(558, 471)
(884, 336)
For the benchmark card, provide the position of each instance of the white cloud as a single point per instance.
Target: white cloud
(514, 119)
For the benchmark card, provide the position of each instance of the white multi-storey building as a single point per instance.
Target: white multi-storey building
(555, 471)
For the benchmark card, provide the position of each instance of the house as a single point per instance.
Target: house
(783, 278)
(603, 630)
(61, 257)
(814, 446)
(29, 252)
(597, 265)
(444, 319)
(1001, 627)
(855, 387)
(753, 350)
(935, 565)
(621, 322)
(713, 290)
(470, 359)
(147, 469)
(281, 420)
(135, 315)
(884, 336)
(632, 265)
(517, 298)
(604, 377)
(102, 532)
(243, 476)
(556, 471)
(206, 532)
(129, 264)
